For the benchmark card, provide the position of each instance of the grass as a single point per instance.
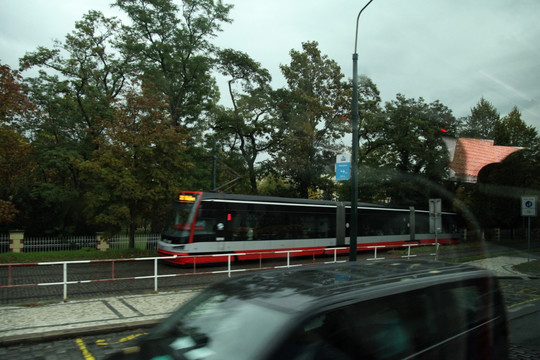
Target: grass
(532, 267)
(73, 255)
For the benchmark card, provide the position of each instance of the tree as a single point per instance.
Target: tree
(315, 117)
(171, 44)
(481, 123)
(93, 72)
(16, 165)
(16, 172)
(78, 82)
(511, 130)
(496, 196)
(133, 163)
(14, 104)
(251, 126)
(406, 142)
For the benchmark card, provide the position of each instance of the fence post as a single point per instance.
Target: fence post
(102, 242)
(16, 241)
(156, 275)
(65, 279)
(229, 264)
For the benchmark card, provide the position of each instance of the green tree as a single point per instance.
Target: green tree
(173, 51)
(78, 82)
(481, 123)
(133, 164)
(251, 126)
(496, 196)
(406, 143)
(511, 130)
(14, 104)
(16, 165)
(315, 118)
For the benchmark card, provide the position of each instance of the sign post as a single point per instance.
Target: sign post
(435, 219)
(528, 209)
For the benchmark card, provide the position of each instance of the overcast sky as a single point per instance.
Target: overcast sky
(455, 51)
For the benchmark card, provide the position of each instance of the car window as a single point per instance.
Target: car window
(446, 321)
(219, 326)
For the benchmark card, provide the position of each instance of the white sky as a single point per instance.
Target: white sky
(455, 51)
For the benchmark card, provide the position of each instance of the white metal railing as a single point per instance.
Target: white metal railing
(155, 276)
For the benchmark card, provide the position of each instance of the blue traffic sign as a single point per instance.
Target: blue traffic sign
(343, 171)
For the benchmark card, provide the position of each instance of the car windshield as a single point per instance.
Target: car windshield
(215, 325)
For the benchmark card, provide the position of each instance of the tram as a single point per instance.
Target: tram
(205, 226)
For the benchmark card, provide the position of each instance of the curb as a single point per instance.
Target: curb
(72, 333)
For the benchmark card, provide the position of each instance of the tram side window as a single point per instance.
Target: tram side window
(247, 222)
(206, 224)
(242, 220)
(449, 224)
(277, 222)
(422, 223)
(383, 223)
(318, 225)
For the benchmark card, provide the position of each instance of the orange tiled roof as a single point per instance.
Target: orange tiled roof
(471, 155)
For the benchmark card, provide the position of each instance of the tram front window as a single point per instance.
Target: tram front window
(179, 225)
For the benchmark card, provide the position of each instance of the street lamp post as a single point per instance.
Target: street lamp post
(355, 141)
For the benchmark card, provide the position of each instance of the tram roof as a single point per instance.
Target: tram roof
(276, 199)
(315, 286)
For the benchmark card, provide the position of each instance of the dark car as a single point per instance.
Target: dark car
(364, 310)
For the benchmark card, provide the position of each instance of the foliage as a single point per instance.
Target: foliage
(172, 46)
(132, 164)
(14, 104)
(511, 130)
(251, 126)
(496, 198)
(16, 169)
(16, 165)
(404, 140)
(481, 123)
(78, 81)
(314, 111)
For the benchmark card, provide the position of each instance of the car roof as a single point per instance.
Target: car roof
(302, 288)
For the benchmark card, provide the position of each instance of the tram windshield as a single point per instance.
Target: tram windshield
(180, 219)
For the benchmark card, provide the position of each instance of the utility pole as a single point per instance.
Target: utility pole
(355, 142)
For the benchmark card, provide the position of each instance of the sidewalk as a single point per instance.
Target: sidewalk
(95, 316)
(501, 266)
(85, 317)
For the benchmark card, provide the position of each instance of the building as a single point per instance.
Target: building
(469, 156)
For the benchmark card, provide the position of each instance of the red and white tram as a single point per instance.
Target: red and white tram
(208, 224)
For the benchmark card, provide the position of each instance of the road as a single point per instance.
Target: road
(522, 300)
